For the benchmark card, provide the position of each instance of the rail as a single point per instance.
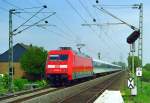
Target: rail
(66, 93)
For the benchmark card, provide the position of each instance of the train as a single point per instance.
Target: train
(64, 65)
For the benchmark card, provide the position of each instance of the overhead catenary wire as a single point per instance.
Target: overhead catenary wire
(38, 25)
(29, 19)
(65, 25)
(71, 34)
(68, 2)
(79, 14)
(86, 9)
(63, 33)
(5, 1)
(36, 7)
(4, 9)
(15, 14)
(97, 17)
(123, 22)
(59, 34)
(35, 12)
(82, 18)
(118, 46)
(112, 15)
(34, 24)
(59, 29)
(105, 32)
(111, 39)
(119, 43)
(118, 5)
(16, 7)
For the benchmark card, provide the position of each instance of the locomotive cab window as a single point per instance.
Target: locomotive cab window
(61, 57)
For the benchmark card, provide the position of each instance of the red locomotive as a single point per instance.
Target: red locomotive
(66, 65)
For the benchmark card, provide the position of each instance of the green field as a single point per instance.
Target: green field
(142, 97)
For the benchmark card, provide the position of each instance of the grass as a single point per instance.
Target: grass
(19, 84)
(142, 97)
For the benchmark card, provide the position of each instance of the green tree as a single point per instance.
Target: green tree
(147, 67)
(146, 75)
(137, 62)
(19, 83)
(33, 60)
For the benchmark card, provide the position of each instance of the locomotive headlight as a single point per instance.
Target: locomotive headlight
(63, 66)
(51, 66)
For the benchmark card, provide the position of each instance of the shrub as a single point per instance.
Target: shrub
(146, 76)
(41, 83)
(147, 66)
(19, 83)
(3, 84)
(5, 80)
(1, 81)
(2, 90)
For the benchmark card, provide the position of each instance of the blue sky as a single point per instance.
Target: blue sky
(68, 30)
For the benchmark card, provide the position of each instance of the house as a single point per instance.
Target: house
(18, 50)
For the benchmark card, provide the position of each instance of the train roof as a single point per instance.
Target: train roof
(104, 62)
(64, 49)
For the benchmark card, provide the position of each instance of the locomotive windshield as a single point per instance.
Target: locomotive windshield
(61, 57)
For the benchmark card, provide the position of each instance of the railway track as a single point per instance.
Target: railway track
(86, 95)
(10, 95)
(85, 92)
(21, 96)
(91, 94)
(29, 94)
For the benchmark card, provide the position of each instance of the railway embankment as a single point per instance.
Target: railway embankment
(69, 92)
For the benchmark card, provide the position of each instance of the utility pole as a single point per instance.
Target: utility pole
(13, 32)
(137, 34)
(99, 55)
(132, 51)
(140, 41)
(10, 57)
